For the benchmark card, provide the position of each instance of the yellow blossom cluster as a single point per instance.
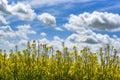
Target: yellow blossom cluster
(41, 62)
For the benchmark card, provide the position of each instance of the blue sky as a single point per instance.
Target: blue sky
(82, 23)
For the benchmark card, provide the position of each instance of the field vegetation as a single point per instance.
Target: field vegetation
(42, 62)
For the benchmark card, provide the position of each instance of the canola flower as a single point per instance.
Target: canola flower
(39, 62)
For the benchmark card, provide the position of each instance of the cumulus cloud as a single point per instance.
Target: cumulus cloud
(24, 30)
(96, 20)
(43, 34)
(44, 41)
(47, 19)
(89, 37)
(54, 43)
(21, 10)
(11, 37)
(3, 20)
(6, 28)
(7, 32)
(83, 39)
(56, 38)
(9, 44)
(4, 7)
(23, 42)
(84, 36)
(92, 40)
(6, 42)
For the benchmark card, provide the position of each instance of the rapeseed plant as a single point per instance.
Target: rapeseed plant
(41, 62)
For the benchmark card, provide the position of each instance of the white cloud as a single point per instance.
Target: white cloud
(87, 38)
(21, 10)
(43, 34)
(23, 42)
(44, 41)
(83, 39)
(10, 37)
(24, 30)
(96, 20)
(6, 44)
(56, 43)
(4, 7)
(6, 28)
(3, 20)
(7, 35)
(59, 29)
(47, 19)
(40, 3)
(7, 32)
(9, 44)
(56, 38)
